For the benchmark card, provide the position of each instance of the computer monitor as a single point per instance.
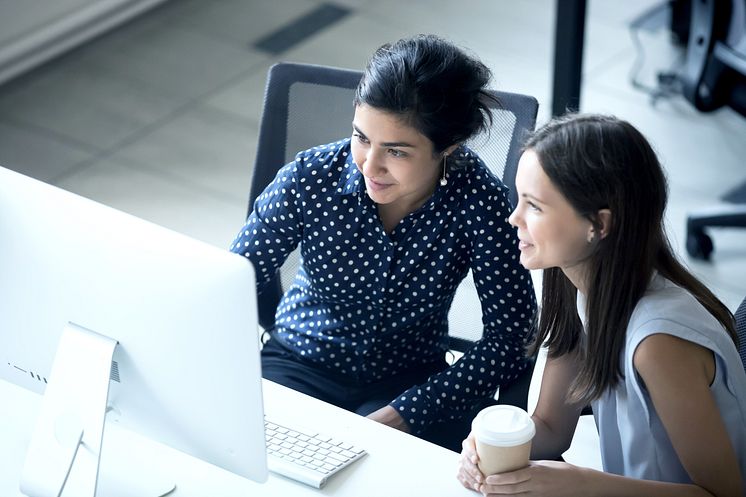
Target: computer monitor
(179, 316)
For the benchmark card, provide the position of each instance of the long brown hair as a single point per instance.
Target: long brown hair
(601, 162)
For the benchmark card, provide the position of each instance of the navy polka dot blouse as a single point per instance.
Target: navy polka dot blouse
(368, 305)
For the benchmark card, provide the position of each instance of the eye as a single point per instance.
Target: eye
(360, 138)
(533, 206)
(394, 152)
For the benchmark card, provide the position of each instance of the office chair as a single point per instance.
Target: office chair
(741, 330)
(715, 75)
(307, 105)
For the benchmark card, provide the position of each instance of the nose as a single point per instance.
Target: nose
(515, 216)
(373, 165)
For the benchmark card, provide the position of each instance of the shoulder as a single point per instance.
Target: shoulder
(323, 164)
(331, 155)
(665, 304)
(663, 294)
(474, 182)
(670, 329)
(471, 170)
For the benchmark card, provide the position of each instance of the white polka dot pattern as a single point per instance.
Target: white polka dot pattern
(369, 305)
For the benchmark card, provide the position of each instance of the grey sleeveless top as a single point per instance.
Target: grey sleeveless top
(634, 442)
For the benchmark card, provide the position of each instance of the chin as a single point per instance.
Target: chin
(380, 199)
(376, 198)
(530, 264)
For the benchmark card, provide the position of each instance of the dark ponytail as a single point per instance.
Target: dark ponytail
(434, 86)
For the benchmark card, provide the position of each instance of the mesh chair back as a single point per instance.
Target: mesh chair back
(307, 105)
(741, 329)
(500, 149)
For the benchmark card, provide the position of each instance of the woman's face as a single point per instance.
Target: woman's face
(396, 159)
(551, 232)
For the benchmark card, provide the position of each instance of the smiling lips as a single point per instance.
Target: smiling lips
(524, 245)
(376, 186)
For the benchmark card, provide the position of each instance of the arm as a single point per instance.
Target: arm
(388, 416)
(677, 375)
(508, 306)
(554, 417)
(274, 227)
(558, 479)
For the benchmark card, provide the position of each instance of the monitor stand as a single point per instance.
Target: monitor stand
(126, 477)
(65, 447)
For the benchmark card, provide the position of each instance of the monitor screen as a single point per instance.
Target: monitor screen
(181, 313)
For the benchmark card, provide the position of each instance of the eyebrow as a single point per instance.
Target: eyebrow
(384, 144)
(529, 196)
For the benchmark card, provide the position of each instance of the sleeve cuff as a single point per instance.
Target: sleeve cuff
(416, 409)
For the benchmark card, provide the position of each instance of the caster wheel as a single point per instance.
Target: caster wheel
(699, 245)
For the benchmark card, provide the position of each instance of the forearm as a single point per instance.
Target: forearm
(388, 416)
(466, 384)
(598, 483)
(547, 444)
(555, 417)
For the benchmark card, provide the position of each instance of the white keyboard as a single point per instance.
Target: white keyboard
(306, 456)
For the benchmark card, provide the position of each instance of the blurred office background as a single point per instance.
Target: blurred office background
(159, 116)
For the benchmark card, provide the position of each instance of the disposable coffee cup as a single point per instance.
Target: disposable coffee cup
(503, 437)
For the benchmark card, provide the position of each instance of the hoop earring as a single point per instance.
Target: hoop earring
(444, 179)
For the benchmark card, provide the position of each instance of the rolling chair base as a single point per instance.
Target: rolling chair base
(698, 244)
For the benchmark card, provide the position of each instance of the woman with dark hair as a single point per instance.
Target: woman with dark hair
(627, 327)
(389, 222)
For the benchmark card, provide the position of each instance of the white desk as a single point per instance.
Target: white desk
(396, 464)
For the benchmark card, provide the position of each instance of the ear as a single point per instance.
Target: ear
(603, 217)
(450, 149)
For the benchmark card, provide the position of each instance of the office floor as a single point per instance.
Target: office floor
(159, 118)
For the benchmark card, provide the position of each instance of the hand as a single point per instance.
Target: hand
(387, 415)
(540, 478)
(469, 474)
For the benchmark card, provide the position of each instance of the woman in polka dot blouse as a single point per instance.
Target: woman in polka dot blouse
(389, 222)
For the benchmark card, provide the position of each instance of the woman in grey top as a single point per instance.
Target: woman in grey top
(627, 327)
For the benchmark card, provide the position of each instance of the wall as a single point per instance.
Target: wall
(33, 31)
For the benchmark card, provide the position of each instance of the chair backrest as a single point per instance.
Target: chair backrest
(741, 329)
(307, 105)
(714, 73)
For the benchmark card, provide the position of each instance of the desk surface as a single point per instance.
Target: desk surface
(396, 463)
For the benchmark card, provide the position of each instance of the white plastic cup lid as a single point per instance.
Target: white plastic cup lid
(503, 425)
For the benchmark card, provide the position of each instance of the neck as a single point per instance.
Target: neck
(578, 277)
(394, 212)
